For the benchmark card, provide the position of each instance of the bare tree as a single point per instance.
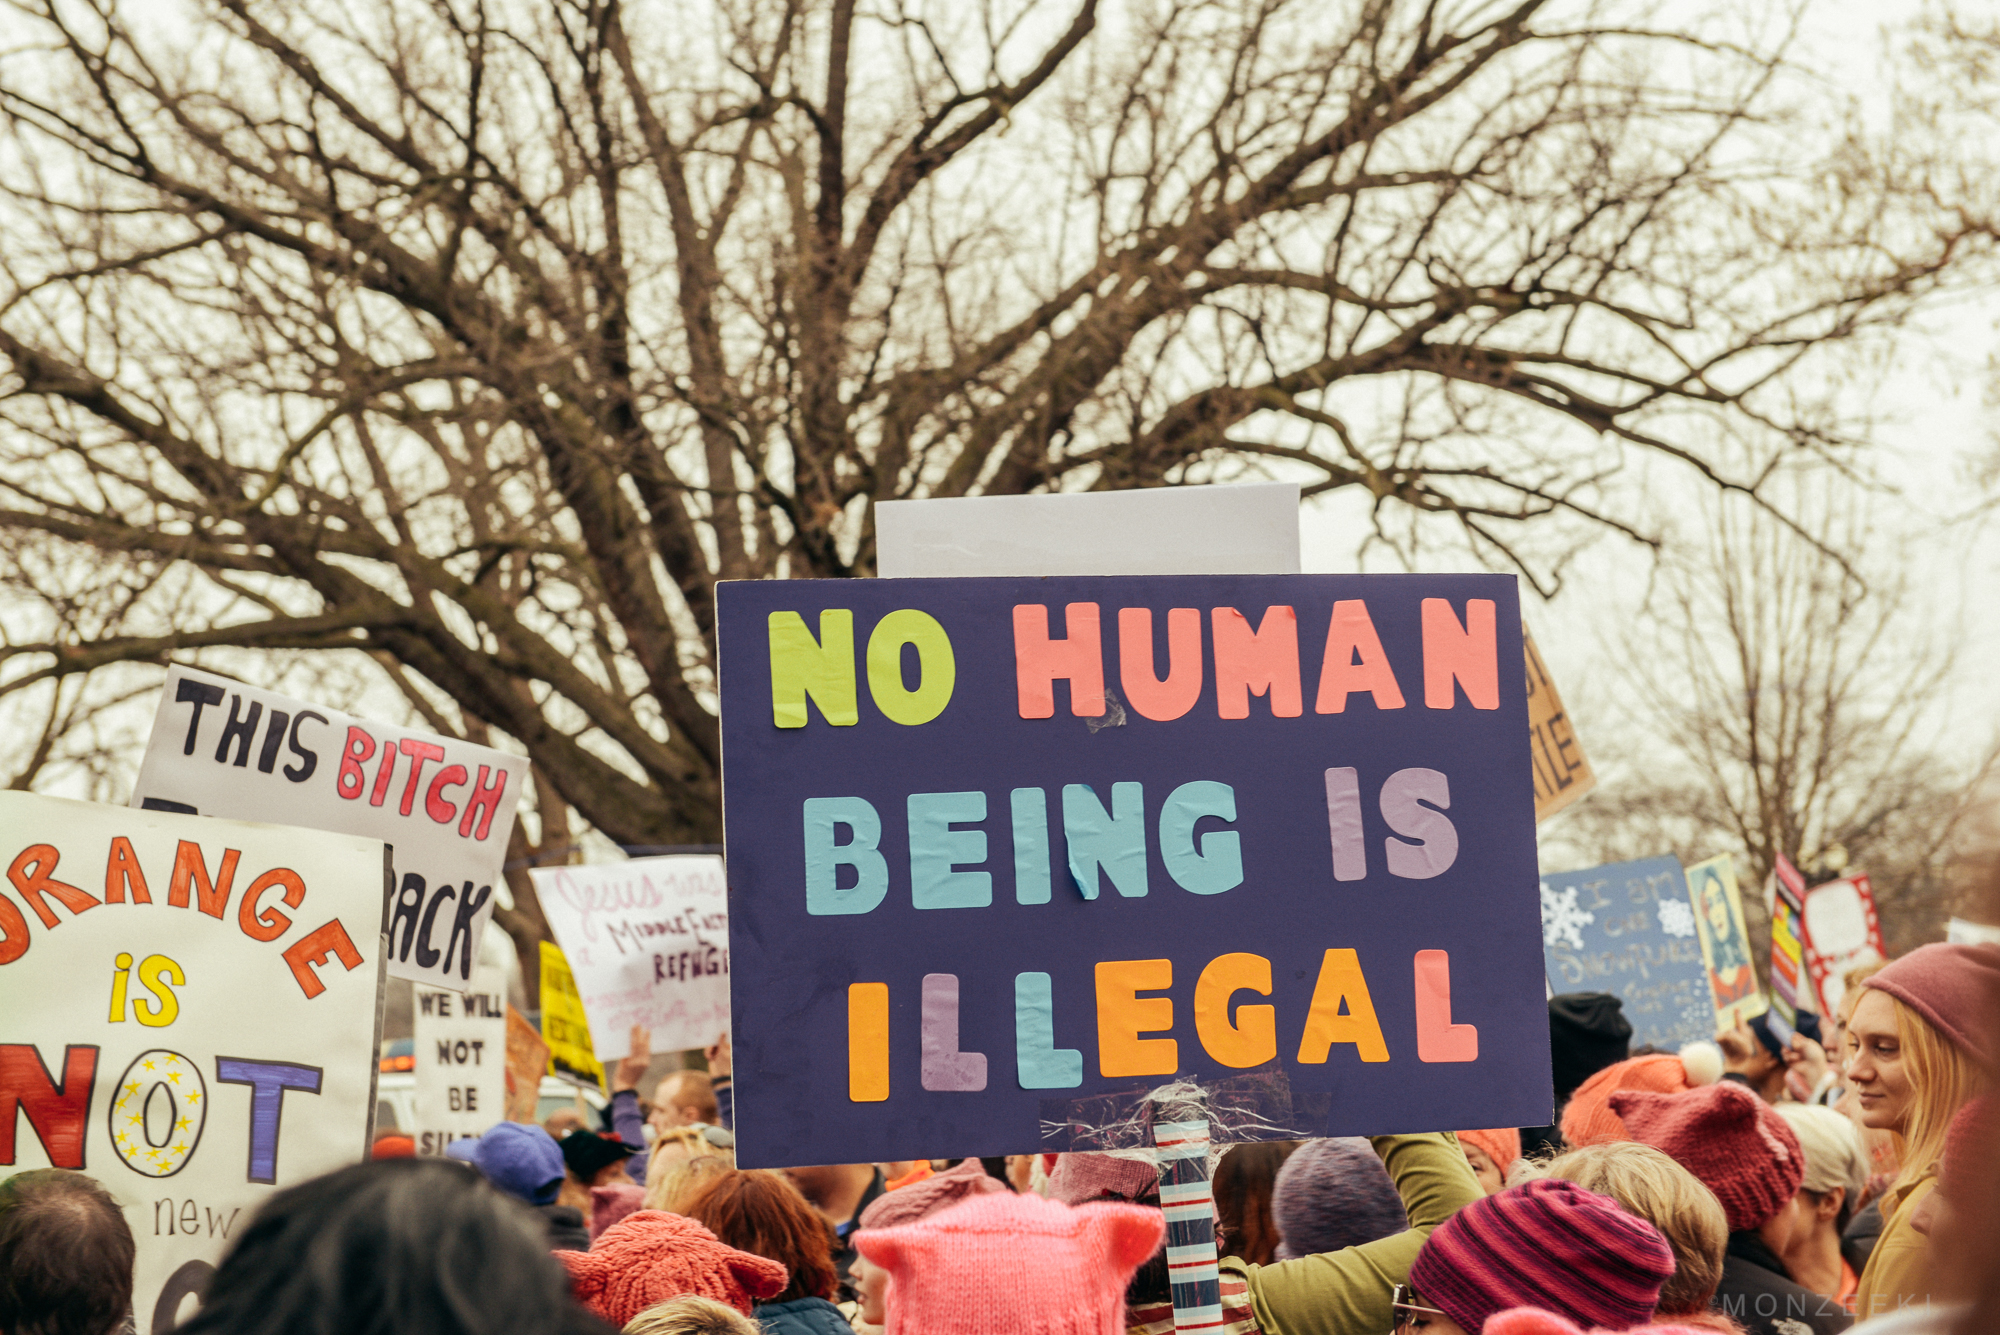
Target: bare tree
(484, 336)
(1793, 707)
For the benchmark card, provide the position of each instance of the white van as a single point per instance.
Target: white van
(396, 1100)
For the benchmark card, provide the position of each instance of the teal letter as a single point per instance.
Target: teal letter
(825, 856)
(1114, 840)
(1043, 1064)
(1031, 846)
(1218, 864)
(935, 848)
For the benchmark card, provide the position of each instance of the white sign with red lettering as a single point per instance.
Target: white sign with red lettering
(445, 807)
(187, 1015)
(648, 941)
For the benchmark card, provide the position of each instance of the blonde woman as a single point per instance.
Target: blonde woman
(1916, 1044)
(684, 1161)
(691, 1314)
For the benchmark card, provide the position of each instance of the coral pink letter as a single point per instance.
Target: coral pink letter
(1438, 1039)
(1462, 653)
(1039, 660)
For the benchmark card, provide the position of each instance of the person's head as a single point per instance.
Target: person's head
(1588, 1031)
(906, 1205)
(651, 1256)
(762, 1213)
(1334, 1193)
(1836, 1168)
(1491, 1153)
(1843, 1011)
(400, 1245)
(1652, 1186)
(696, 1140)
(683, 1098)
(1245, 1181)
(563, 1121)
(672, 1183)
(1733, 1142)
(1917, 1042)
(690, 1314)
(1587, 1118)
(65, 1255)
(518, 1158)
(1965, 1201)
(1051, 1268)
(611, 1203)
(592, 1160)
(1547, 1244)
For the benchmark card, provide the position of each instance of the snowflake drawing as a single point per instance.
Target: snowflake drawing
(1562, 921)
(1676, 917)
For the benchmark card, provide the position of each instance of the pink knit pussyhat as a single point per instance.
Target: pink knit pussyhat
(1019, 1263)
(650, 1256)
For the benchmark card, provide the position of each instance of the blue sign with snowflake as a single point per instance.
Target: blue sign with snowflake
(1628, 928)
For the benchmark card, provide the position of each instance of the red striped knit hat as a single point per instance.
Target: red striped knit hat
(1546, 1244)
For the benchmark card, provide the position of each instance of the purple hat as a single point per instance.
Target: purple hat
(520, 1159)
(1548, 1244)
(1332, 1194)
(1956, 987)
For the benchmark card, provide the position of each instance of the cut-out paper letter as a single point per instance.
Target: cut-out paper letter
(1433, 845)
(1251, 1039)
(935, 848)
(1465, 654)
(820, 669)
(1341, 1012)
(1042, 1065)
(1113, 840)
(1153, 698)
(825, 855)
(1354, 661)
(937, 669)
(1032, 883)
(1123, 1015)
(1343, 824)
(1216, 864)
(867, 1042)
(1438, 1039)
(1039, 661)
(943, 1066)
(1264, 661)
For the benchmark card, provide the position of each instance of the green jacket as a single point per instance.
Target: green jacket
(1347, 1292)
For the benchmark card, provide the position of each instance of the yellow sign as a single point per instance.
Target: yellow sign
(1725, 944)
(564, 1026)
(1561, 773)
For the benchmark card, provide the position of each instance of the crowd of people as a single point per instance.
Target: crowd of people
(1749, 1185)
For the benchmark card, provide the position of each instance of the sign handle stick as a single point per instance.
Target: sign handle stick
(1181, 1152)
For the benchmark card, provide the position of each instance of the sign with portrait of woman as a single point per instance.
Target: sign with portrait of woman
(1725, 944)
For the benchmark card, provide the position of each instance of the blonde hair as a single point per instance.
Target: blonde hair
(670, 1189)
(1649, 1184)
(1943, 1079)
(691, 1314)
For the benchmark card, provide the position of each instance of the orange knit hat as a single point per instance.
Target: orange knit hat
(650, 1256)
(1501, 1144)
(1587, 1118)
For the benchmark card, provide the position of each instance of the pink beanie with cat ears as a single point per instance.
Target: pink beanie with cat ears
(1053, 1269)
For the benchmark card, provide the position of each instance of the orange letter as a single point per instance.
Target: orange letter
(189, 867)
(34, 884)
(269, 924)
(1039, 660)
(1122, 1016)
(1351, 632)
(121, 871)
(1156, 699)
(1253, 1039)
(1341, 981)
(1438, 1039)
(1257, 661)
(313, 948)
(1464, 653)
(867, 1042)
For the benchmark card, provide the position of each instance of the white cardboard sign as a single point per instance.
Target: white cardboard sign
(188, 1014)
(648, 941)
(460, 1060)
(445, 807)
(1238, 530)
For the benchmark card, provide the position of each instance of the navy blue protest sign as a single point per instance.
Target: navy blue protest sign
(1002, 852)
(1628, 928)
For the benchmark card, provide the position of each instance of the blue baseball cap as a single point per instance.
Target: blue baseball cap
(520, 1159)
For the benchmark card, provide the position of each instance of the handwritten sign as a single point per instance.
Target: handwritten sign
(648, 942)
(1725, 943)
(1842, 933)
(1562, 774)
(999, 849)
(460, 1049)
(190, 1017)
(527, 1060)
(565, 1025)
(1629, 929)
(446, 807)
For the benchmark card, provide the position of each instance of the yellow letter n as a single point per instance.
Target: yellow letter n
(823, 669)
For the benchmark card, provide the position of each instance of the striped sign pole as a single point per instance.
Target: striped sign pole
(1181, 1149)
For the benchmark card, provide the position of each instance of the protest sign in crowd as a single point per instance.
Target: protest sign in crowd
(1189, 926)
